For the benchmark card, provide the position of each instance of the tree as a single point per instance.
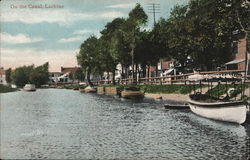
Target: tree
(137, 18)
(30, 74)
(158, 38)
(40, 75)
(242, 11)
(218, 26)
(8, 75)
(111, 46)
(79, 74)
(179, 36)
(89, 57)
(20, 76)
(204, 30)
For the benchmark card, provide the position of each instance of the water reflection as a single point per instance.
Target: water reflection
(65, 124)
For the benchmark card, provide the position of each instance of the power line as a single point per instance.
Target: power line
(154, 8)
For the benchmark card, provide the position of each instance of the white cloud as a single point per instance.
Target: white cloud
(89, 32)
(53, 16)
(86, 31)
(124, 5)
(12, 58)
(111, 15)
(72, 39)
(19, 38)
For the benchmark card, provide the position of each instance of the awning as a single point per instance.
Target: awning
(64, 75)
(235, 61)
(168, 71)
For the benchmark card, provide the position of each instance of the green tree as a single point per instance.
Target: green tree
(179, 36)
(20, 76)
(8, 75)
(79, 74)
(40, 75)
(204, 31)
(111, 46)
(158, 38)
(131, 29)
(89, 57)
(29, 74)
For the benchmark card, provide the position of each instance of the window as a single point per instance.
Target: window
(235, 47)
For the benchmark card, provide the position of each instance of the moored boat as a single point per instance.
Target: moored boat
(29, 87)
(217, 109)
(132, 93)
(90, 89)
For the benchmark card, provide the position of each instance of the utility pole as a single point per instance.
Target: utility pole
(154, 8)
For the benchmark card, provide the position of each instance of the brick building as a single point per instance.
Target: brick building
(65, 70)
(163, 66)
(238, 55)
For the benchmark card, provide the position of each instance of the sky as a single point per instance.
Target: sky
(32, 33)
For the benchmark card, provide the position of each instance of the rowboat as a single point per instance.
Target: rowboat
(132, 93)
(29, 87)
(217, 109)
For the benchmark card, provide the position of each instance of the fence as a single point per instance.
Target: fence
(178, 79)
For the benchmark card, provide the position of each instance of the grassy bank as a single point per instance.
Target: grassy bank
(164, 89)
(5, 89)
(74, 86)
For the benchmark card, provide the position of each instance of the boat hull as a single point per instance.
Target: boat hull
(29, 90)
(132, 94)
(230, 112)
(90, 90)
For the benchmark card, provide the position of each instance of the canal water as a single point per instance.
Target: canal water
(66, 124)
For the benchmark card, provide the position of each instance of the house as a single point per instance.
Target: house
(2, 76)
(53, 76)
(238, 55)
(65, 74)
(165, 67)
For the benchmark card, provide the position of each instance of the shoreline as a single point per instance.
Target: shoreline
(171, 97)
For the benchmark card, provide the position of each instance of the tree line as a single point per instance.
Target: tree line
(28, 74)
(196, 35)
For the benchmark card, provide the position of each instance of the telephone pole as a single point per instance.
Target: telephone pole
(154, 8)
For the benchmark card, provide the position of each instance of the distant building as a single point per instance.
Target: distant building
(66, 70)
(53, 76)
(238, 55)
(2, 76)
(165, 67)
(65, 74)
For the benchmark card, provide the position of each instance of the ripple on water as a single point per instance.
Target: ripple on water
(65, 124)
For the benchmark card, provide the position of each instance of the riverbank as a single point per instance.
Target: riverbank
(173, 97)
(180, 92)
(6, 89)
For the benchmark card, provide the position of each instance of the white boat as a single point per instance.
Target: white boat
(29, 87)
(212, 108)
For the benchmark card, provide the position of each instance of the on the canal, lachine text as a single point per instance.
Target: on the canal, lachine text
(13, 6)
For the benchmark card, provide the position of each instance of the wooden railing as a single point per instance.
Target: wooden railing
(175, 79)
